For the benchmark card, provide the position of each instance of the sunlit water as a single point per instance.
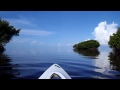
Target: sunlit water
(31, 63)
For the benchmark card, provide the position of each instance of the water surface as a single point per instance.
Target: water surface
(30, 63)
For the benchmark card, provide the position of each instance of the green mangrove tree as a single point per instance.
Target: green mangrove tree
(6, 33)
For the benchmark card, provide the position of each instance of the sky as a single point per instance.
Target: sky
(61, 28)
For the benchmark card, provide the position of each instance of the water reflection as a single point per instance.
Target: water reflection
(114, 58)
(102, 62)
(6, 68)
(89, 53)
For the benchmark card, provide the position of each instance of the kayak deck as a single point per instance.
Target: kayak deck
(55, 72)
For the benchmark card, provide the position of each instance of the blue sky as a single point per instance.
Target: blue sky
(61, 28)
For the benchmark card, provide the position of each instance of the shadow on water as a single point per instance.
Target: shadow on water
(114, 58)
(6, 68)
(93, 54)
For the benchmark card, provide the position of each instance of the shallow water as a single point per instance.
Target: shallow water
(31, 63)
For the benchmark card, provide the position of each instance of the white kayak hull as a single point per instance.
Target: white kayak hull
(55, 71)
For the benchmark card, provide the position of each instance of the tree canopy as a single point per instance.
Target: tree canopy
(87, 44)
(7, 31)
(114, 41)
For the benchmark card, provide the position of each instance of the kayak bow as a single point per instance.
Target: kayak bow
(55, 72)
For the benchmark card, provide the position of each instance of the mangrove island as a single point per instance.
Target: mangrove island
(87, 45)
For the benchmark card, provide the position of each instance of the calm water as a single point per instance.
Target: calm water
(29, 63)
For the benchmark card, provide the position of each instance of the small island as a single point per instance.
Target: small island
(87, 45)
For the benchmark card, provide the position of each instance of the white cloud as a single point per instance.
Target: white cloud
(103, 31)
(34, 42)
(22, 21)
(87, 39)
(59, 44)
(69, 44)
(41, 43)
(14, 21)
(22, 40)
(36, 32)
(27, 40)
